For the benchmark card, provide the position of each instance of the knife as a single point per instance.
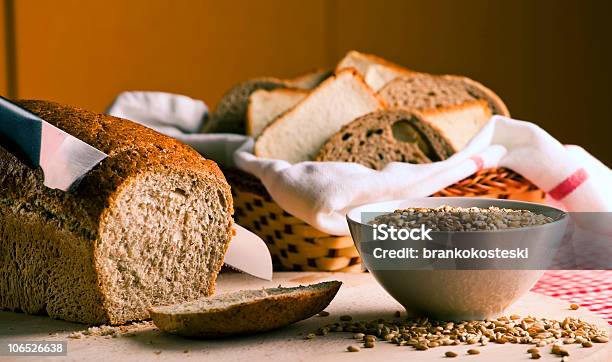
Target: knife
(63, 158)
(249, 254)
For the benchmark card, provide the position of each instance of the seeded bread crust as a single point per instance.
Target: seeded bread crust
(426, 91)
(381, 137)
(245, 312)
(59, 272)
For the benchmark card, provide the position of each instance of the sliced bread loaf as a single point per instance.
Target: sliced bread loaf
(402, 135)
(244, 312)
(385, 136)
(265, 105)
(425, 91)
(149, 225)
(298, 134)
(230, 114)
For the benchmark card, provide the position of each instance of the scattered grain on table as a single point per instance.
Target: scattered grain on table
(423, 334)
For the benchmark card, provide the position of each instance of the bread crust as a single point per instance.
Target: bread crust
(251, 316)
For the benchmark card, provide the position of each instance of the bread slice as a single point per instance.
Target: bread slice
(149, 225)
(244, 312)
(230, 114)
(362, 62)
(459, 123)
(425, 91)
(375, 70)
(402, 135)
(378, 75)
(310, 80)
(299, 133)
(265, 105)
(385, 136)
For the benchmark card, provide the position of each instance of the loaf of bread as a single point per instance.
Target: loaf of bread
(245, 312)
(426, 91)
(149, 225)
(299, 133)
(378, 138)
(266, 105)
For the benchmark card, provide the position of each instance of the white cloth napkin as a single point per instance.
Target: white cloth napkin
(321, 193)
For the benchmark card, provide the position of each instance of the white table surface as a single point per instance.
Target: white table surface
(360, 296)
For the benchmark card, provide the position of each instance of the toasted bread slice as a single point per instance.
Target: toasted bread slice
(244, 312)
(265, 105)
(298, 134)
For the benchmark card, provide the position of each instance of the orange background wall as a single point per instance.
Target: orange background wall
(551, 61)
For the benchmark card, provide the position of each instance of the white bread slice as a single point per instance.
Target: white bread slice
(375, 70)
(458, 124)
(298, 134)
(265, 105)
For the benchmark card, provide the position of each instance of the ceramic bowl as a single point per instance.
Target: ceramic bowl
(466, 292)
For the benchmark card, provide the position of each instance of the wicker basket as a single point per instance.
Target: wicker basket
(295, 245)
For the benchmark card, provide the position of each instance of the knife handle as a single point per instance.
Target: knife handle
(20, 132)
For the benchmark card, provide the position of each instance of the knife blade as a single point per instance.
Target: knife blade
(63, 158)
(249, 254)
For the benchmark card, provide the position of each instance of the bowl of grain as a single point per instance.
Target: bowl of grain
(478, 257)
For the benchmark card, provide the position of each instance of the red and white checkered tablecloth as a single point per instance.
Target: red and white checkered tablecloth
(591, 289)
